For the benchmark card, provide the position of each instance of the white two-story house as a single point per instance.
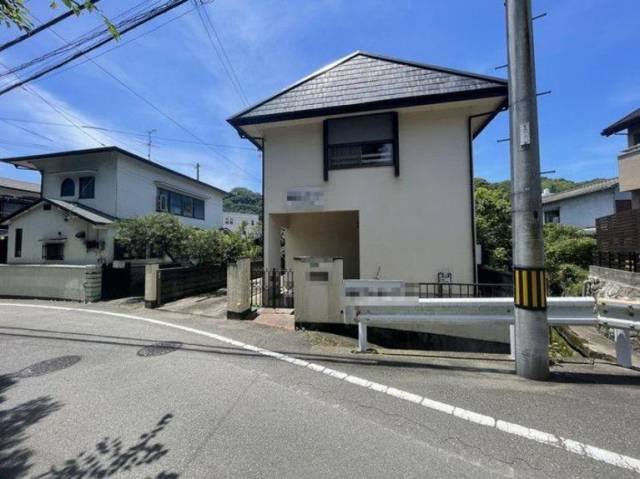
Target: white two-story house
(85, 191)
(370, 159)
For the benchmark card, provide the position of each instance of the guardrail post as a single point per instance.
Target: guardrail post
(362, 337)
(623, 347)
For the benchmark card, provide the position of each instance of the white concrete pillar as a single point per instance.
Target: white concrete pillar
(151, 299)
(272, 226)
(362, 337)
(624, 348)
(239, 289)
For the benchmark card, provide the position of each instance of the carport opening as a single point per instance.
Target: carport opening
(325, 234)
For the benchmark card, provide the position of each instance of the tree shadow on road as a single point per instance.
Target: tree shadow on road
(15, 460)
(110, 456)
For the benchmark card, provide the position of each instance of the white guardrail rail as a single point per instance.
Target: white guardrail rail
(380, 302)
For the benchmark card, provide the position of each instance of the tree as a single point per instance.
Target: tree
(152, 236)
(243, 200)
(15, 13)
(568, 250)
(568, 254)
(162, 234)
(493, 223)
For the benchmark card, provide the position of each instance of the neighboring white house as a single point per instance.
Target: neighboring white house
(14, 195)
(85, 191)
(233, 221)
(369, 159)
(582, 205)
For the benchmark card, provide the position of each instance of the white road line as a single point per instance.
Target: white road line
(569, 445)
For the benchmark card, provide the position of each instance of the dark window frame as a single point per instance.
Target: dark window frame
(197, 204)
(47, 248)
(65, 185)
(81, 189)
(394, 141)
(17, 246)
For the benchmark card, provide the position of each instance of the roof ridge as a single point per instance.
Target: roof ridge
(310, 76)
(430, 66)
(501, 82)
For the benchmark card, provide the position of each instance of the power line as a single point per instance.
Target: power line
(45, 25)
(53, 107)
(149, 16)
(221, 52)
(156, 108)
(119, 45)
(34, 133)
(126, 132)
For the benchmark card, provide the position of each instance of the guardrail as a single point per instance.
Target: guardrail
(365, 310)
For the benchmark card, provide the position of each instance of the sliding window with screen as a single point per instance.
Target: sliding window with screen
(361, 141)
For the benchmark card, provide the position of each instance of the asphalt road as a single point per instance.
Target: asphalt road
(84, 394)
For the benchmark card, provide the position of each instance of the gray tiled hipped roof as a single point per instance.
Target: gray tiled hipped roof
(632, 118)
(594, 187)
(367, 79)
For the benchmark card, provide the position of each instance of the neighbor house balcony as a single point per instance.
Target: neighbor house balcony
(629, 168)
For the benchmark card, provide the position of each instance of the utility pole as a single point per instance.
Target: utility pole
(149, 133)
(198, 171)
(531, 326)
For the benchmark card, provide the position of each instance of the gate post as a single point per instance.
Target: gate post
(151, 285)
(239, 289)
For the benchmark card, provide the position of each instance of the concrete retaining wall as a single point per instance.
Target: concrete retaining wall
(71, 282)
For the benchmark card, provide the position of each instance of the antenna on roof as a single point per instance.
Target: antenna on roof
(149, 133)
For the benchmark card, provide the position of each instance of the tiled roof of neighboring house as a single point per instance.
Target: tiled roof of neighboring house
(581, 190)
(624, 123)
(19, 185)
(364, 81)
(91, 215)
(25, 161)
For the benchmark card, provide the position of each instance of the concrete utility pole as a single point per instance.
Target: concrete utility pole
(198, 171)
(532, 330)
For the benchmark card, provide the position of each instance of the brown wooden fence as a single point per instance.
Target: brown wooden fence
(183, 281)
(619, 233)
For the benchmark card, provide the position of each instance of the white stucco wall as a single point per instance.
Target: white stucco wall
(333, 234)
(582, 211)
(39, 224)
(99, 165)
(137, 184)
(411, 226)
(233, 221)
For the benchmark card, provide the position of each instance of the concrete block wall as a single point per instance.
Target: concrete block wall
(70, 282)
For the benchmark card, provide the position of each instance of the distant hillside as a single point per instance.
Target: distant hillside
(555, 185)
(242, 200)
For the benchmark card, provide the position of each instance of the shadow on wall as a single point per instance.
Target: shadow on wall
(15, 459)
(111, 456)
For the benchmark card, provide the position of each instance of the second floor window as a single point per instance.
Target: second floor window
(179, 204)
(68, 187)
(361, 141)
(87, 187)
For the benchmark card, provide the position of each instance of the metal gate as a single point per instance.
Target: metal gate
(272, 288)
(116, 282)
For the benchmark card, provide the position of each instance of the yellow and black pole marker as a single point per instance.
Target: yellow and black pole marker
(529, 288)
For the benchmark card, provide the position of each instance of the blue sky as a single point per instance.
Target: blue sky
(583, 51)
